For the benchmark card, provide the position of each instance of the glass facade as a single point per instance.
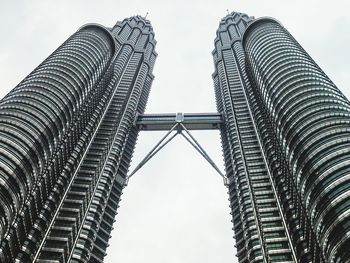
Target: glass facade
(260, 229)
(284, 115)
(68, 131)
(66, 141)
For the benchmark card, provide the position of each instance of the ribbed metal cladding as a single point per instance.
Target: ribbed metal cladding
(260, 229)
(35, 120)
(310, 118)
(67, 138)
(135, 84)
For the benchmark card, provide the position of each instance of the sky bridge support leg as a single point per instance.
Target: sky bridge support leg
(180, 128)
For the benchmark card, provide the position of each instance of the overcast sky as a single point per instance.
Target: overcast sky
(175, 209)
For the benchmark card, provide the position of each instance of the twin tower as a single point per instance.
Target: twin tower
(68, 131)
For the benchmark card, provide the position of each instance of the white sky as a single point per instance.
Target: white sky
(175, 209)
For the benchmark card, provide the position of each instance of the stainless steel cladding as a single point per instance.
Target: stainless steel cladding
(311, 118)
(66, 141)
(257, 216)
(286, 145)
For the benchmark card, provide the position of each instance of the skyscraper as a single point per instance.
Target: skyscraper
(66, 139)
(286, 145)
(68, 131)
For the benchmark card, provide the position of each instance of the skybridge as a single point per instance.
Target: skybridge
(192, 121)
(178, 124)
